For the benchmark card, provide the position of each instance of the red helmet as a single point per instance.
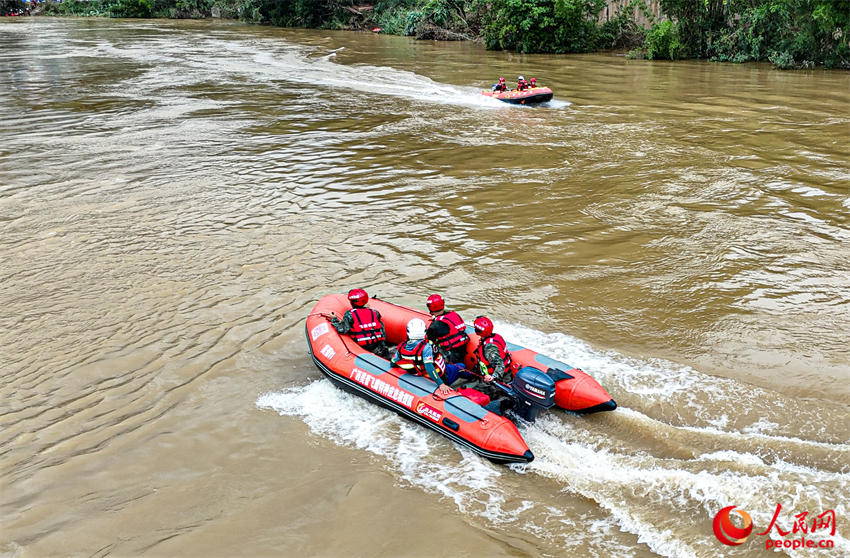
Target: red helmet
(435, 303)
(501, 80)
(358, 298)
(483, 326)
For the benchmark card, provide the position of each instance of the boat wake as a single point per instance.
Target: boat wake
(323, 71)
(557, 104)
(298, 68)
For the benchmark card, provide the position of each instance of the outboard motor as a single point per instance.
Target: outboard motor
(533, 390)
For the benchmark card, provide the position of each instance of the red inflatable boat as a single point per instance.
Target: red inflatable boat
(533, 96)
(456, 416)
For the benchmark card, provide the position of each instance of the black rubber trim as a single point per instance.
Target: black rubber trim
(530, 100)
(451, 424)
(607, 406)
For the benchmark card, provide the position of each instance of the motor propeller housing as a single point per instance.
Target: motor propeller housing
(533, 390)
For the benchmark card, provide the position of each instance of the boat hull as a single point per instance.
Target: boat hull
(533, 96)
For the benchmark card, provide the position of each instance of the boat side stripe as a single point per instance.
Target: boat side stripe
(371, 363)
(551, 362)
(465, 409)
(419, 385)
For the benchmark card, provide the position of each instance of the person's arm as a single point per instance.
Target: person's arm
(380, 321)
(432, 369)
(343, 326)
(491, 353)
(397, 355)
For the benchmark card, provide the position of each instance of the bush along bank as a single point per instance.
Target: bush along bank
(173, 9)
(789, 33)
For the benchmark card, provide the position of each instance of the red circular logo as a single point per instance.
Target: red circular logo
(727, 533)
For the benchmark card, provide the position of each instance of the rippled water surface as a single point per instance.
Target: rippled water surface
(175, 196)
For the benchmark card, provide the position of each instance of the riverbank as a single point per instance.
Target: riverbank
(789, 33)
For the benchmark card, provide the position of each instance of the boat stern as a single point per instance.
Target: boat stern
(507, 445)
(582, 394)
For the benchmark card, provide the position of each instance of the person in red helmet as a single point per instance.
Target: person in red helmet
(451, 338)
(363, 324)
(532, 83)
(492, 358)
(500, 86)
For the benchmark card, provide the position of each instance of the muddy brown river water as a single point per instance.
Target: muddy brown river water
(175, 196)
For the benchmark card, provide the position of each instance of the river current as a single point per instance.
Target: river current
(175, 196)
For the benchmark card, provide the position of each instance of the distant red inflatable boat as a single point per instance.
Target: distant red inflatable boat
(533, 96)
(458, 417)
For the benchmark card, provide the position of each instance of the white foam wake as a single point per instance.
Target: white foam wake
(274, 60)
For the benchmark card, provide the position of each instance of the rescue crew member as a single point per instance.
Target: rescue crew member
(501, 86)
(363, 324)
(492, 357)
(453, 343)
(532, 83)
(418, 356)
(521, 84)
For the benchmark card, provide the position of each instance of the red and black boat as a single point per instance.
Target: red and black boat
(532, 96)
(539, 383)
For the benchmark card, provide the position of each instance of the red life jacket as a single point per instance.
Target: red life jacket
(457, 331)
(366, 329)
(412, 360)
(497, 340)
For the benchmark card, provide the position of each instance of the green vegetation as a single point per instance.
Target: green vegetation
(662, 41)
(789, 33)
(543, 26)
(176, 9)
(101, 8)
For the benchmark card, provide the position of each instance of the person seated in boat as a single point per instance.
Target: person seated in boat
(418, 355)
(521, 84)
(363, 324)
(500, 86)
(453, 343)
(532, 83)
(492, 359)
